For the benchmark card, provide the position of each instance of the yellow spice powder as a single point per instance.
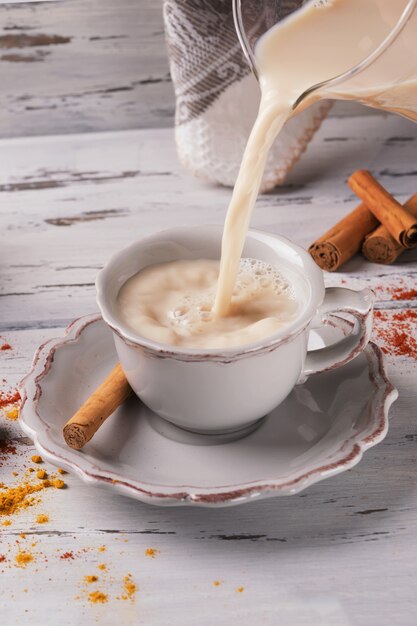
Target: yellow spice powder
(12, 414)
(130, 587)
(42, 518)
(13, 499)
(151, 552)
(91, 579)
(102, 566)
(36, 458)
(97, 597)
(23, 558)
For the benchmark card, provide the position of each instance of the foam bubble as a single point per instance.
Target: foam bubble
(256, 279)
(261, 276)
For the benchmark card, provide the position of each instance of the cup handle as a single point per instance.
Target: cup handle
(358, 304)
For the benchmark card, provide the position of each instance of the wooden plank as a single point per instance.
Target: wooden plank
(312, 557)
(83, 65)
(104, 190)
(65, 204)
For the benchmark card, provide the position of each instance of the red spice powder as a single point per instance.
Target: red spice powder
(9, 397)
(404, 294)
(67, 555)
(6, 346)
(2, 558)
(396, 332)
(6, 447)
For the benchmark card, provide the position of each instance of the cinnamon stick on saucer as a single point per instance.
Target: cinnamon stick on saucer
(401, 224)
(96, 409)
(344, 240)
(380, 246)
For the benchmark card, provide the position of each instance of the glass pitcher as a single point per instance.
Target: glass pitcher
(390, 69)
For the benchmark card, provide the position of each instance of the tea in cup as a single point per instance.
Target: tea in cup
(192, 369)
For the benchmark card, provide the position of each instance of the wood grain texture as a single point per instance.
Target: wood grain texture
(83, 65)
(88, 65)
(342, 553)
(105, 190)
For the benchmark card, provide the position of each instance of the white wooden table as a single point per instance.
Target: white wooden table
(343, 552)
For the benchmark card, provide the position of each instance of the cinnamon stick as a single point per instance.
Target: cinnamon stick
(96, 409)
(380, 246)
(344, 240)
(401, 225)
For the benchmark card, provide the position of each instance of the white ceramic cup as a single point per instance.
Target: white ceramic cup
(222, 391)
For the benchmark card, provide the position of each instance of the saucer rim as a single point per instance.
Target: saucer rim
(37, 429)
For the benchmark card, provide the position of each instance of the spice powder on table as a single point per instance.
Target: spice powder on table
(98, 597)
(14, 499)
(23, 558)
(404, 294)
(397, 332)
(9, 397)
(130, 588)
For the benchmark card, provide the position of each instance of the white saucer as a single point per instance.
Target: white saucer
(321, 429)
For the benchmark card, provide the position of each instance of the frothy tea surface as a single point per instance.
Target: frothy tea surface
(172, 303)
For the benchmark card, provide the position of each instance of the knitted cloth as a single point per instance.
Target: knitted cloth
(217, 96)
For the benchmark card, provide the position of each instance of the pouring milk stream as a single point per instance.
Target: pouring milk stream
(320, 41)
(173, 302)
